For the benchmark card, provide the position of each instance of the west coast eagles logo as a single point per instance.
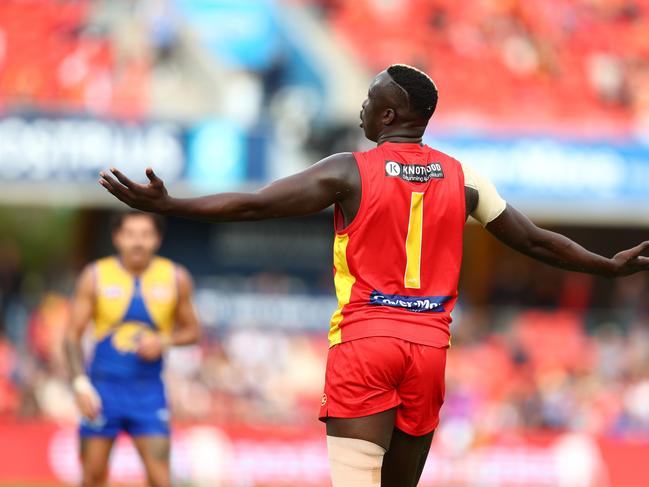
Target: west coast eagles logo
(127, 336)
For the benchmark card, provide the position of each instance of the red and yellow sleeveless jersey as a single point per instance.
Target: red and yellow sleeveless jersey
(397, 264)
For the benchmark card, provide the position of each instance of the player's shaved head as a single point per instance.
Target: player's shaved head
(419, 88)
(394, 94)
(400, 101)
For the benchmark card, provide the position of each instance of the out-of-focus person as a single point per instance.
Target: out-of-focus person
(140, 304)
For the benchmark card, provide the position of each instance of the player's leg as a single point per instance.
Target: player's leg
(154, 452)
(376, 428)
(356, 447)
(148, 425)
(359, 407)
(404, 461)
(95, 453)
(98, 436)
(422, 395)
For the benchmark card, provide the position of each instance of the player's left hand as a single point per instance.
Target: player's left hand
(631, 261)
(151, 346)
(147, 197)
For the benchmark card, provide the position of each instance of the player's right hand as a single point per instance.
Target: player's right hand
(146, 197)
(87, 398)
(151, 346)
(631, 261)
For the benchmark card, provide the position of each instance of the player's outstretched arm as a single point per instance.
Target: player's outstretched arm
(309, 191)
(517, 231)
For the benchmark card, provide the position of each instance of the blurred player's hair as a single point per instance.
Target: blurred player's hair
(421, 89)
(117, 220)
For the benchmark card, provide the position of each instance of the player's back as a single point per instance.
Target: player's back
(126, 308)
(397, 263)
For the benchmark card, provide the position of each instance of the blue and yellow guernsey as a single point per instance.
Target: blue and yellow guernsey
(127, 307)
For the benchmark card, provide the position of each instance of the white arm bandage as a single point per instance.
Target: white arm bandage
(490, 203)
(82, 385)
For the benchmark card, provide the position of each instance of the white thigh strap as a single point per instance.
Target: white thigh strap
(354, 463)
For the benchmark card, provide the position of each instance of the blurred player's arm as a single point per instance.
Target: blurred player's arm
(314, 189)
(86, 396)
(517, 231)
(187, 330)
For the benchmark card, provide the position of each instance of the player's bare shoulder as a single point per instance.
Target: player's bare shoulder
(343, 171)
(85, 284)
(184, 280)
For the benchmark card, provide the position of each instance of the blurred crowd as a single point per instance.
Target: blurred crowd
(529, 62)
(550, 365)
(539, 63)
(543, 372)
(120, 59)
(71, 60)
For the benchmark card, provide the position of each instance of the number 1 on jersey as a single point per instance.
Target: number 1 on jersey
(413, 242)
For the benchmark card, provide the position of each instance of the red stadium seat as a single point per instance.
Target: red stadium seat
(52, 66)
(462, 44)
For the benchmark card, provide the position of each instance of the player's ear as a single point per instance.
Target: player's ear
(388, 116)
(158, 243)
(114, 236)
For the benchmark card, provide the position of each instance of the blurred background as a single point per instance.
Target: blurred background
(548, 376)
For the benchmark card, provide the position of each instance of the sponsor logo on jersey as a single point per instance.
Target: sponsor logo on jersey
(416, 304)
(414, 173)
(392, 168)
(112, 292)
(161, 292)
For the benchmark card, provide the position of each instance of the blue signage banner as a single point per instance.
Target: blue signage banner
(555, 170)
(72, 149)
(209, 156)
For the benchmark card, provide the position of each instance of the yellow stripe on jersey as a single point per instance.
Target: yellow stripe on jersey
(160, 291)
(413, 242)
(114, 289)
(343, 281)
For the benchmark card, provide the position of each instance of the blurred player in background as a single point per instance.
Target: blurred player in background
(140, 304)
(400, 210)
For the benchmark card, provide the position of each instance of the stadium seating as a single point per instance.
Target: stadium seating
(532, 63)
(55, 63)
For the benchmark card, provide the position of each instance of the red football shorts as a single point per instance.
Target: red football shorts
(370, 375)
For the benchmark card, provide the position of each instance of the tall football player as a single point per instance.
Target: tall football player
(400, 210)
